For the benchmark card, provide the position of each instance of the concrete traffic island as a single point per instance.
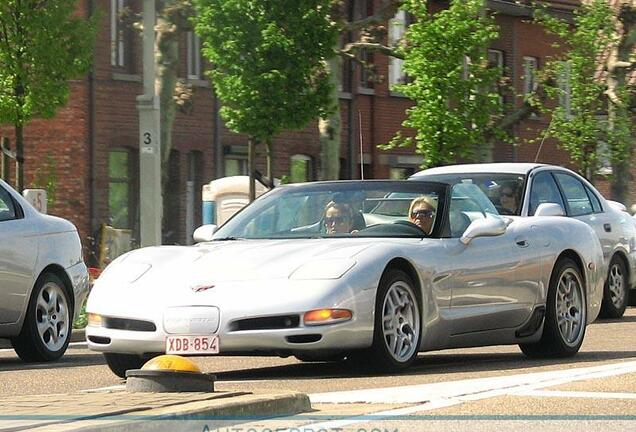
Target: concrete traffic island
(140, 409)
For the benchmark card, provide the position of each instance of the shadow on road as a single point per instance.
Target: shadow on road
(426, 364)
(68, 360)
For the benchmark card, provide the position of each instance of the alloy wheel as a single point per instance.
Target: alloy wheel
(52, 316)
(569, 306)
(401, 321)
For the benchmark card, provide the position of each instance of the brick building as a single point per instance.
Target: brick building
(90, 149)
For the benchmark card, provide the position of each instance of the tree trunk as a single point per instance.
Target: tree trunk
(330, 128)
(270, 159)
(19, 157)
(618, 115)
(167, 68)
(251, 163)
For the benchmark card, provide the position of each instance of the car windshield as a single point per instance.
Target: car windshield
(339, 209)
(505, 191)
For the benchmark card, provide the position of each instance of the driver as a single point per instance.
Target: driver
(422, 213)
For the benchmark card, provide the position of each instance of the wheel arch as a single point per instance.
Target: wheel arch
(620, 254)
(59, 271)
(408, 268)
(574, 256)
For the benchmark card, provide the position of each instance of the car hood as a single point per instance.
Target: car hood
(239, 260)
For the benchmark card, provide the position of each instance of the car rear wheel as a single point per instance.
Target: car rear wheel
(397, 330)
(566, 314)
(47, 326)
(615, 291)
(120, 363)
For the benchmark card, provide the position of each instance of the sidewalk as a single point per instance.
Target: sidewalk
(118, 410)
(78, 335)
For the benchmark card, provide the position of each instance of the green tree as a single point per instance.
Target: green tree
(43, 45)
(576, 122)
(456, 109)
(268, 60)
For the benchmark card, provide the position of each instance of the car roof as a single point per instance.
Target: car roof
(502, 167)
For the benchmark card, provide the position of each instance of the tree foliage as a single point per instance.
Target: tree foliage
(268, 60)
(451, 83)
(576, 122)
(43, 45)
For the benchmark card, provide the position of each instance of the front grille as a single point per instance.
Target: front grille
(99, 340)
(301, 339)
(266, 323)
(129, 324)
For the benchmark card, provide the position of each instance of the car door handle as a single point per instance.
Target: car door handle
(607, 227)
(521, 242)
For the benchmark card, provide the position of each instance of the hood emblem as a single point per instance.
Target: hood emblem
(201, 288)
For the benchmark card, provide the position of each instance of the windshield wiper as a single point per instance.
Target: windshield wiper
(227, 239)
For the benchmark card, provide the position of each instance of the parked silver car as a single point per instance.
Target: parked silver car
(375, 270)
(43, 279)
(519, 188)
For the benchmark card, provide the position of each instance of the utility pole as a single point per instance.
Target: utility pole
(150, 199)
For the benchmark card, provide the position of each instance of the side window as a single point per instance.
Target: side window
(596, 203)
(468, 203)
(544, 190)
(575, 194)
(7, 208)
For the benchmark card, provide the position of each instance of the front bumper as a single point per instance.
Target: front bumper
(341, 336)
(78, 274)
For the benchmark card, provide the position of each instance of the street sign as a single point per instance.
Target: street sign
(37, 198)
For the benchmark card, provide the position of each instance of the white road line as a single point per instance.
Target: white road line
(103, 389)
(577, 394)
(440, 395)
(72, 344)
(466, 388)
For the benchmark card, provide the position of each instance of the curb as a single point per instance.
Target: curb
(78, 335)
(200, 415)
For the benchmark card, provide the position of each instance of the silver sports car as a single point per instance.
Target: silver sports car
(43, 279)
(333, 270)
(519, 188)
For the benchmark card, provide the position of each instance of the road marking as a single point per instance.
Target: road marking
(479, 387)
(104, 389)
(577, 394)
(72, 344)
(446, 394)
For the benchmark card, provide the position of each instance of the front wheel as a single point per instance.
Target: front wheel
(47, 326)
(397, 327)
(566, 314)
(120, 363)
(615, 290)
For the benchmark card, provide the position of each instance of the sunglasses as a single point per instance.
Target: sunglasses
(334, 219)
(422, 213)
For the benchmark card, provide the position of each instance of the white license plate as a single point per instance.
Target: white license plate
(192, 344)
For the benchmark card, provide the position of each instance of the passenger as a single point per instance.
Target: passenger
(338, 218)
(422, 213)
(509, 200)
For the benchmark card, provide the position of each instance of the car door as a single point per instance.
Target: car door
(493, 279)
(586, 208)
(18, 252)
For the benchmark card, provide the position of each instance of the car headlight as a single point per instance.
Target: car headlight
(125, 272)
(323, 269)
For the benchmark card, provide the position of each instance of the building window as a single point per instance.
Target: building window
(496, 61)
(121, 36)
(530, 66)
(119, 189)
(300, 169)
(397, 28)
(344, 85)
(565, 88)
(363, 9)
(194, 56)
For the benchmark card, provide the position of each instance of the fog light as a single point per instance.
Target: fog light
(94, 320)
(327, 316)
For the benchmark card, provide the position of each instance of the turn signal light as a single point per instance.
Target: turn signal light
(94, 320)
(327, 316)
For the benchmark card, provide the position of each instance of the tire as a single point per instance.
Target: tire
(615, 292)
(120, 363)
(48, 322)
(566, 314)
(394, 324)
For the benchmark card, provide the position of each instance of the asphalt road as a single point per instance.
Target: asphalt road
(600, 389)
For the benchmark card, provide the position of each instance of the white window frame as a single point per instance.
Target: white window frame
(397, 28)
(308, 164)
(194, 56)
(530, 67)
(565, 88)
(117, 43)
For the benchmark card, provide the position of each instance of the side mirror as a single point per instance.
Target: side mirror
(488, 227)
(549, 209)
(204, 233)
